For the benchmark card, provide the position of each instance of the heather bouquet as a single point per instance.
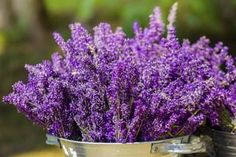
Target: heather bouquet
(107, 87)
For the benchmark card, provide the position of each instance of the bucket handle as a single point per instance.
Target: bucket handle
(52, 140)
(195, 145)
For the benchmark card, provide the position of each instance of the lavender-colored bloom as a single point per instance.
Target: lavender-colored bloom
(109, 88)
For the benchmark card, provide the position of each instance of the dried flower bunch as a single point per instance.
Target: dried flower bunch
(111, 88)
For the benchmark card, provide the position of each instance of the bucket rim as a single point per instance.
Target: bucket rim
(128, 143)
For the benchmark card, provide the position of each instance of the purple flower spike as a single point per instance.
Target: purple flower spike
(110, 88)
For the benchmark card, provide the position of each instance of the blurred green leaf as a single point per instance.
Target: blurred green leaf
(61, 6)
(84, 10)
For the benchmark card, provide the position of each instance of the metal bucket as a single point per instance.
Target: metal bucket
(224, 143)
(164, 148)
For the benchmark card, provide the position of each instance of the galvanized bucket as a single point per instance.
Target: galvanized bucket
(164, 148)
(224, 143)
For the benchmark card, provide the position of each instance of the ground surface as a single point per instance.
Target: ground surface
(53, 152)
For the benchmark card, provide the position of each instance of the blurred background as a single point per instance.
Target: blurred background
(25, 37)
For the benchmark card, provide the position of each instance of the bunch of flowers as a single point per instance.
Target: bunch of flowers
(112, 88)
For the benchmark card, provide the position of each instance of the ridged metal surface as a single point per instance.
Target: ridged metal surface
(224, 143)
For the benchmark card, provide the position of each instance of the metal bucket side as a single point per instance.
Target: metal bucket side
(116, 150)
(164, 148)
(224, 143)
